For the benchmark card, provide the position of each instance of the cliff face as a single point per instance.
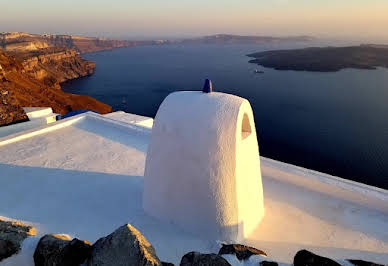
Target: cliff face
(10, 108)
(19, 41)
(32, 80)
(54, 65)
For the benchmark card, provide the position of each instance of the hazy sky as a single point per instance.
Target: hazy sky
(363, 19)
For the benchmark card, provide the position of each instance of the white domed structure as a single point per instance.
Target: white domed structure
(202, 168)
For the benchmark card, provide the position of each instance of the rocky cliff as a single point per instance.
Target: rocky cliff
(20, 41)
(54, 65)
(31, 79)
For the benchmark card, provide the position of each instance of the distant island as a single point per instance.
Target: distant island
(324, 59)
(236, 39)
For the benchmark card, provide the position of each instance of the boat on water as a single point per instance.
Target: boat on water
(257, 71)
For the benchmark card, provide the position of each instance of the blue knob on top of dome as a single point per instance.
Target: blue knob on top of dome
(208, 86)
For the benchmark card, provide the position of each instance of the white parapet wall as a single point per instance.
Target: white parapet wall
(37, 112)
(38, 116)
(202, 169)
(131, 118)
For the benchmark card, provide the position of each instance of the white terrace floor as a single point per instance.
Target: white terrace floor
(83, 176)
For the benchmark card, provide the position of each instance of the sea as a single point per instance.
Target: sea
(336, 123)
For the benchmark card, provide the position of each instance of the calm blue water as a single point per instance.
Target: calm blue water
(336, 123)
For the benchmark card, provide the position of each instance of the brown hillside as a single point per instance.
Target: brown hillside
(37, 84)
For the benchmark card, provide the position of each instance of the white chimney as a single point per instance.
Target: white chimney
(203, 169)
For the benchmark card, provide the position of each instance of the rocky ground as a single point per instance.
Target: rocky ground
(127, 246)
(10, 109)
(12, 235)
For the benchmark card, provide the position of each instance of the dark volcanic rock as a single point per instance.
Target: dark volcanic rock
(307, 258)
(198, 259)
(60, 251)
(242, 252)
(125, 246)
(363, 263)
(12, 234)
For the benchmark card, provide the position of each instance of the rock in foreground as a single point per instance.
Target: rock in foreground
(124, 247)
(198, 259)
(307, 258)
(58, 250)
(363, 263)
(268, 263)
(12, 235)
(242, 252)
